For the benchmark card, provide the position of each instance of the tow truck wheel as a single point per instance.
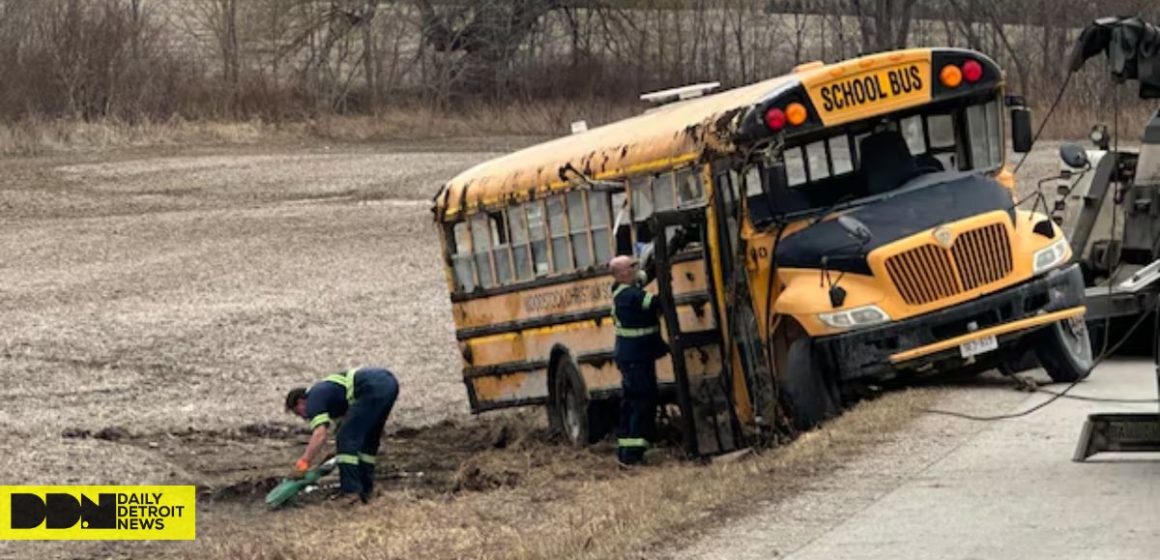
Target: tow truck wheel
(1065, 350)
(806, 388)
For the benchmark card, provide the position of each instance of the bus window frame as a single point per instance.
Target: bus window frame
(608, 220)
(569, 260)
(501, 241)
(492, 239)
(520, 209)
(483, 216)
(453, 252)
(585, 229)
(954, 108)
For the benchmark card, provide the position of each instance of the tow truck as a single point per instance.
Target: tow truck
(1108, 204)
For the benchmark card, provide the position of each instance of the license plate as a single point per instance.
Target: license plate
(978, 346)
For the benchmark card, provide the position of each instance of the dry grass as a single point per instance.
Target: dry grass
(554, 502)
(1072, 120)
(35, 136)
(551, 118)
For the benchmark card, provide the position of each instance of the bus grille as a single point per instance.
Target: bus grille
(929, 273)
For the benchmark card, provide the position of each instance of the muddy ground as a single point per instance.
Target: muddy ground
(156, 305)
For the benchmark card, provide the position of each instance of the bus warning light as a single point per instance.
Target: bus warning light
(795, 113)
(972, 71)
(775, 119)
(950, 76)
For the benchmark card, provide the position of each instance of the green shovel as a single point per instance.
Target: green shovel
(290, 487)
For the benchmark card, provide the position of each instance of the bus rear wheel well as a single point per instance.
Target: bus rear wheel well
(572, 412)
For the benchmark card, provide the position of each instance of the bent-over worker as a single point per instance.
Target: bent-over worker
(638, 346)
(361, 400)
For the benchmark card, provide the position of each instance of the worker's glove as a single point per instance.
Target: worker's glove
(299, 470)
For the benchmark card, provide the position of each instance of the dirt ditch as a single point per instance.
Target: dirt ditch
(241, 464)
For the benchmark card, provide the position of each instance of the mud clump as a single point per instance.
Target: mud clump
(474, 477)
(110, 433)
(269, 430)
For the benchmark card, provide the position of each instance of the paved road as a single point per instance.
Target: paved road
(954, 489)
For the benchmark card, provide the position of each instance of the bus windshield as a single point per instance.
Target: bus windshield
(851, 164)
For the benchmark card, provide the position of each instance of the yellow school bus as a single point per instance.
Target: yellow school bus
(841, 225)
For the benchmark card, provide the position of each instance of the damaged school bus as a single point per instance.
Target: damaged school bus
(843, 224)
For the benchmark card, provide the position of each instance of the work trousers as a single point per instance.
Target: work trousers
(358, 438)
(638, 409)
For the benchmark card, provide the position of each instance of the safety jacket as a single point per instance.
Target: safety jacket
(328, 400)
(638, 331)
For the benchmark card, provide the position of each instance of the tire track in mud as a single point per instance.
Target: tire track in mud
(242, 464)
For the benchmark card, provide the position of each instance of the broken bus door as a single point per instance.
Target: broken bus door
(701, 371)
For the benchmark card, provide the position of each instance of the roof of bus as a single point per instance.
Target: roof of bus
(670, 132)
(668, 135)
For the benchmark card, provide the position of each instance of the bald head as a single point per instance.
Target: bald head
(623, 269)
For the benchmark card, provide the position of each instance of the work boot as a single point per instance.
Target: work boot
(366, 478)
(348, 500)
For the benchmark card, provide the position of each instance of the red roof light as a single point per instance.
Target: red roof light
(972, 71)
(775, 119)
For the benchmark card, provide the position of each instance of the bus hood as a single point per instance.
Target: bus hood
(923, 203)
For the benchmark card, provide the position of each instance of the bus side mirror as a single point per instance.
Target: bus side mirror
(1021, 129)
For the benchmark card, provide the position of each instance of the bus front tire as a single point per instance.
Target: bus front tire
(806, 388)
(1064, 349)
(1018, 361)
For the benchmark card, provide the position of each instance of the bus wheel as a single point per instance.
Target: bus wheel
(1065, 350)
(581, 420)
(1020, 360)
(806, 388)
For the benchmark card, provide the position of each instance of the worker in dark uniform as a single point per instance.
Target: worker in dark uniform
(361, 399)
(638, 346)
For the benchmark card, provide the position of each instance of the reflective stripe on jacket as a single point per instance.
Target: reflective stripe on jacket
(638, 331)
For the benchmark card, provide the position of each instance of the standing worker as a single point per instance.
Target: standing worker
(363, 397)
(638, 346)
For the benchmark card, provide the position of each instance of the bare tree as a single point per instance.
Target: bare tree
(885, 24)
(486, 34)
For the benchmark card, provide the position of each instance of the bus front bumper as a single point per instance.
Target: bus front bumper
(915, 344)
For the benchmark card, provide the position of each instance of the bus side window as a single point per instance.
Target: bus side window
(537, 230)
(558, 227)
(689, 188)
(642, 209)
(598, 217)
(521, 248)
(623, 223)
(461, 257)
(578, 224)
(756, 201)
(664, 197)
(480, 232)
(500, 248)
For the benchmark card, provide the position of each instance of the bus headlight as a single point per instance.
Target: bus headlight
(857, 317)
(1050, 256)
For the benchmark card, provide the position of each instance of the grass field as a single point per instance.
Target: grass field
(157, 304)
